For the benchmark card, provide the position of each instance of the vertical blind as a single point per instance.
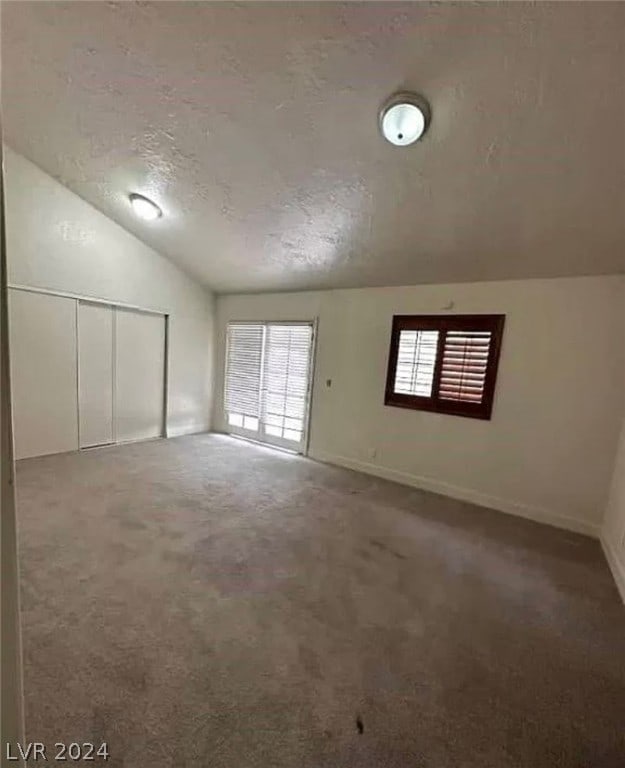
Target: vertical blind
(267, 379)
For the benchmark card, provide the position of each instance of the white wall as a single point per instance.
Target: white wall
(58, 242)
(613, 530)
(547, 452)
(12, 708)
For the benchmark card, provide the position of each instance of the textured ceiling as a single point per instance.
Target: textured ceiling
(254, 126)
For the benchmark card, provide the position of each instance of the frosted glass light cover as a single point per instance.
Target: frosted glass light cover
(403, 124)
(144, 208)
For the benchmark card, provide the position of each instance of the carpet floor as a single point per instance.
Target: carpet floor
(203, 601)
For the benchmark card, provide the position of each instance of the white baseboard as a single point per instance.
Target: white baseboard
(617, 566)
(181, 431)
(517, 508)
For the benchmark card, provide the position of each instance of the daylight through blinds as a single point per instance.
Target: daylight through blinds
(465, 360)
(245, 343)
(444, 363)
(270, 368)
(416, 357)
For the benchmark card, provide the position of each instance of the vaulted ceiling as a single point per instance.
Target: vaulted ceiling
(254, 126)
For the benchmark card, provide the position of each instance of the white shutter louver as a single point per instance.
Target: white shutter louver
(416, 358)
(243, 365)
(267, 381)
(465, 362)
(286, 372)
(444, 363)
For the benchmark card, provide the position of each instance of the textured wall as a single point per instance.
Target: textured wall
(548, 450)
(59, 242)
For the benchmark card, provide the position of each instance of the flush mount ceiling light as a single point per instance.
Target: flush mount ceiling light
(144, 208)
(404, 118)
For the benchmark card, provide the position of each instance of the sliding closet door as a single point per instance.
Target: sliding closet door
(139, 375)
(95, 374)
(43, 373)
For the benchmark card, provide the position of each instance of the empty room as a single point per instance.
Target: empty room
(313, 384)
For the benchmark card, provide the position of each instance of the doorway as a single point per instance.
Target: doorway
(268, 381)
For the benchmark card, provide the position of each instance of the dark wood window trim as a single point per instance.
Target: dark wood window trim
(444, 324)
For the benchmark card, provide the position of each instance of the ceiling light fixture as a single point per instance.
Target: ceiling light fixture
(144, 208)
(404, 119)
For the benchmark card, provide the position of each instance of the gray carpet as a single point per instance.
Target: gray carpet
(207, 602)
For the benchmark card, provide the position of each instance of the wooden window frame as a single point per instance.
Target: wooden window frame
(442, 324)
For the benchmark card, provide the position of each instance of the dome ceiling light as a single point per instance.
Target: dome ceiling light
(404, 119)
(144, 208)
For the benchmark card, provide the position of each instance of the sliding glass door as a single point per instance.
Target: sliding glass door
(268, 381)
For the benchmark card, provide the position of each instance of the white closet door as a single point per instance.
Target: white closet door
(139, 375)
(43, 372)
(95, 374)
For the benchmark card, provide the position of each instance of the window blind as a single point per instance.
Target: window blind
(267, 379)
(465, 361)
(444, 363)
(416, 358)
(243, 368)
(285, 380)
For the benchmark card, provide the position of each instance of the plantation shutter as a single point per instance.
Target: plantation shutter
(286, 380)
(416, 358)
(464, 366)
(444, 363)
(243, 368)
